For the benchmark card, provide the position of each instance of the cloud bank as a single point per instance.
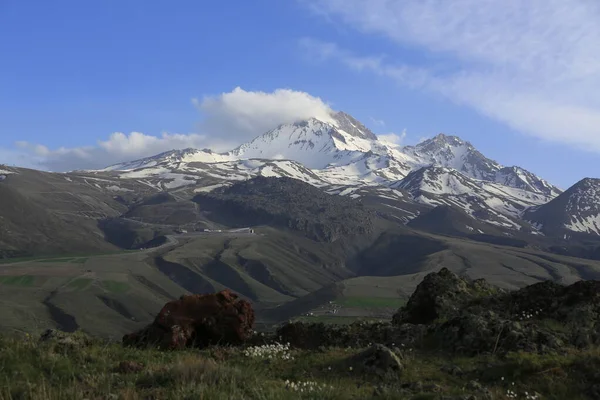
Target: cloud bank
(531, 64)
(228, 120)
(393, 138)
(243, 115)
(117, 148)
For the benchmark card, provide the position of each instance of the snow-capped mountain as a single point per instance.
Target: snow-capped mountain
(492, 202)
(575, 210)
(314, 143)
(452, 152)
(520, 178)
(172, 158)
(344, 157)
(351, 126)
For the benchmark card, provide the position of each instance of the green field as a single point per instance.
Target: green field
(336, 320)
(115, 287)
(79, 284)
(78, 258)
(55, 260)
(371, 302)
(280, 273)
(18, 280)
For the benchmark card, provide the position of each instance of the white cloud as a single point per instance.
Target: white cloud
(117, 148)
(377, 122)
(229, 119)
(243, 115)
(393, 138)
(14, 157)
(532, 64)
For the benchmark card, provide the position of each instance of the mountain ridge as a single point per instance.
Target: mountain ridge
(342, 156)
(343, 153)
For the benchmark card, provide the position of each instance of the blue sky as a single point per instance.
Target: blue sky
(516, 80)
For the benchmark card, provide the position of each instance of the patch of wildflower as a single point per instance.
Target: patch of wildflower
(306, 387)
(532, 396)
(525, 315)
(512, 394)
(270, 351)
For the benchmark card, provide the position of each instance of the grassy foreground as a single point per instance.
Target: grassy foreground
(84, 368)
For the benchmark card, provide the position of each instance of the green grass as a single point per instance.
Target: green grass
(87, 368)
(79, 283)
(371, 302)
(77, 260)
(17, 280)
(49, 260)
(335, 320)
(57, 258)
(115, 286)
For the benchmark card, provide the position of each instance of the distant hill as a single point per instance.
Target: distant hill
(289, 204)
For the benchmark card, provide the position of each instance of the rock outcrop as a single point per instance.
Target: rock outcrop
(312, 336)
(441, 295)
(472, 317)
(377, 360)
(198, 321)
(457, 315)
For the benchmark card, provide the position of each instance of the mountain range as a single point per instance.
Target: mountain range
(338, 213)
(343, 157)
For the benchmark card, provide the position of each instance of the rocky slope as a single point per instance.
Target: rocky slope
(576, 211)
(462, 316)
(342, 156)
(339, 156)
(289, 204)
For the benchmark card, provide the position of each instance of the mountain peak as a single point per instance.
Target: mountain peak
(352, 126)
(314, 142)
(310, 122)
(588, 182)
(586, 190)
(442, 139)
(575, 210)
(169, 159)
(453, 152)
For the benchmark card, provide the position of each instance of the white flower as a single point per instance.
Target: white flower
(308, 386)
(270, 351)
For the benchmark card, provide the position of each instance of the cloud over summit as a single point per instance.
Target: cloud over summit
(243, 115)
(228, 120)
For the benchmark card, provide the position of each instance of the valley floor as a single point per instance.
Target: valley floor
(85, 368)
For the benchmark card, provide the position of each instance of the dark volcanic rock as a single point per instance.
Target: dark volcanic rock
(288, 203)
(440, 295)
(314, 335)
(450, 313)
(199, 321)
(472, 317)
(377, 360)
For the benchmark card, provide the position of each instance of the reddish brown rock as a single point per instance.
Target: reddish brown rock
(197, 321)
